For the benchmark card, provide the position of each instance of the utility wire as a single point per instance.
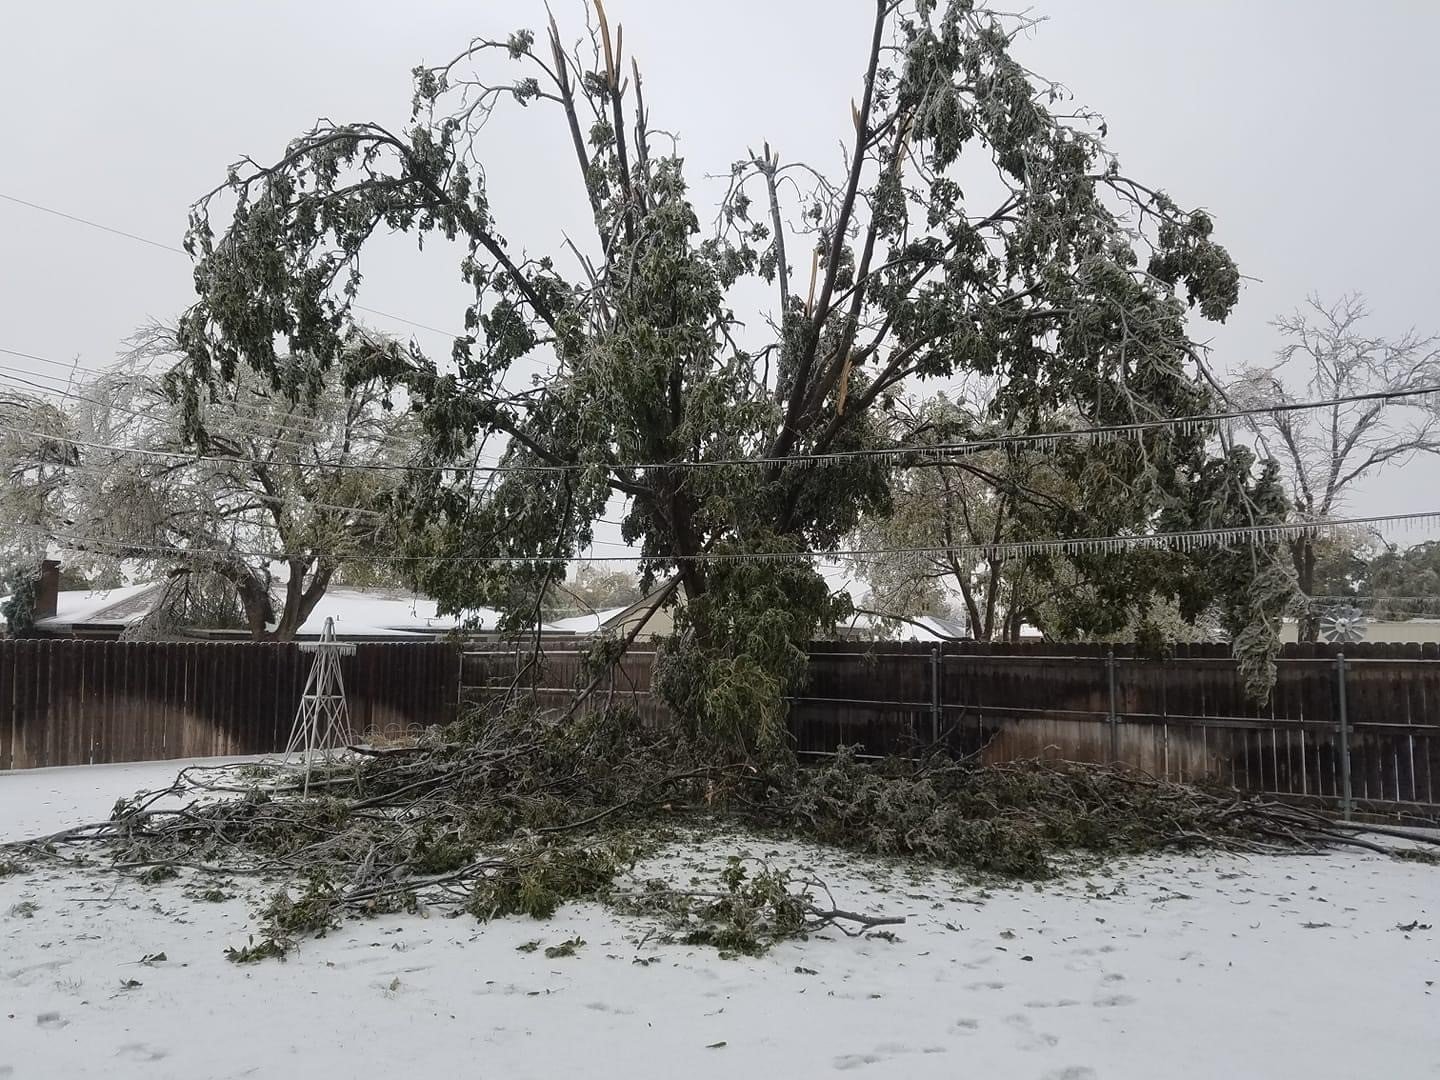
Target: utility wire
(923, 456)
(260, 425)
(181, 251)
(1188, 540)
(1042, 439)
(930, 454)
(305, 426)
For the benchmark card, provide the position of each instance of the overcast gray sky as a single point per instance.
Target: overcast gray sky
(1305, 126)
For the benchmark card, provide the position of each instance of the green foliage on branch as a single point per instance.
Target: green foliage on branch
(1069, 283)
(932, 546)
(20, 586)
(516, 815)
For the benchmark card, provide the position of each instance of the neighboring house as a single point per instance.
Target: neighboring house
(94, 613)
(392, 615)
(359, 614)
(389, 614)
(866, 627)
(85, 612)
(618, 621)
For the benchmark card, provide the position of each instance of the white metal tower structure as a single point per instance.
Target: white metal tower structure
(322, 723)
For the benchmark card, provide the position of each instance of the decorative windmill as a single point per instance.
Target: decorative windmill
(1341, 625)
(322, 724)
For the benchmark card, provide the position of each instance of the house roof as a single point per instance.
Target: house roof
(357, 612)
(590, 623)
(381, 613)
(919, 628)
(121, 606)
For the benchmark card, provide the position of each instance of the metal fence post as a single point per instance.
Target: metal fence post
(934, 695)
(1347, 803)
(1113, 719)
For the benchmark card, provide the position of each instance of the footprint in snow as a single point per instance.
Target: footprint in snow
(141, 1052)
(1113, 1001)
(618, 1010)
(1071, 1072)
(881, 1053)
(51, 1021)
(1028, 1038)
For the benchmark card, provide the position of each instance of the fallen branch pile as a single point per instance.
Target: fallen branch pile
(519, 814)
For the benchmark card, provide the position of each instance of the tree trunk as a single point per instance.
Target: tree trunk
(992, 596)
(300, 599)
(255, 600)
(972, 611)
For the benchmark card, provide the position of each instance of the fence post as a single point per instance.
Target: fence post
(1345, 792)
(934, 695)
(1113, 719)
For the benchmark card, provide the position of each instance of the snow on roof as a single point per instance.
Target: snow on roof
(589, 623)
(113, 607)
(920, 628)
(373, 613)
(357, 612)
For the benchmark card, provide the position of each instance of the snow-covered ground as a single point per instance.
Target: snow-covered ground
(1174, 967)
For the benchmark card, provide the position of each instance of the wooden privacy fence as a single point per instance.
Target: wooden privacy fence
(1358, 724)
(73, 702)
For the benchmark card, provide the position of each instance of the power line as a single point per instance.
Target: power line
(923, 456)
(257, 425)
(181, 251)
(927, 455)
(1043, 440)
(103, 470)
(1371, 596)
(92, 224)
(1099, 431)
(1188, 540)
(47, 360)
(310, 426)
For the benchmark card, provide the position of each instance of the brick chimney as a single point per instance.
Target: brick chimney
(47, 590)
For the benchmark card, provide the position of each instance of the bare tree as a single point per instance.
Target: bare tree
(33, 459)
(287, 495)
(926, 546)
(1323, 453)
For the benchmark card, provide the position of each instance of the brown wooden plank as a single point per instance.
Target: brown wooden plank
(122, 713)
(265, 698)
(167, 665)
(94, 703)
(198, 677)
(45, 704)
(249, 667)
(7, 705)
(63, 710)
(222, 733)
(141, 702)
(26, 725)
